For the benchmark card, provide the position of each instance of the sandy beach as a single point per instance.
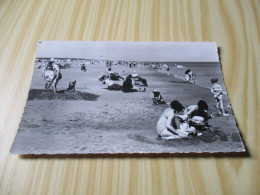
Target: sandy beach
(103, 121)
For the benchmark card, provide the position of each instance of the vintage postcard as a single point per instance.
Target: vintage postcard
(127, 97)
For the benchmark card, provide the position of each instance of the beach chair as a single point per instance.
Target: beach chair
(157, 98)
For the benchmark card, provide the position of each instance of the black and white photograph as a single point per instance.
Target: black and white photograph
(125, 98)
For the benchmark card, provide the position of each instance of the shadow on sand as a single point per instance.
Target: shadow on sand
(41, 94)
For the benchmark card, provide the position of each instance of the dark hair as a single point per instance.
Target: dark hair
(214, 80)
(202, 105)
(187, 71)
(128, 78)
(176, 105)
(50, 63)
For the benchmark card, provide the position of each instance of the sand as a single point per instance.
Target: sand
(96, 120)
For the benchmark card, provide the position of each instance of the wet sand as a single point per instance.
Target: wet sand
(115, 122)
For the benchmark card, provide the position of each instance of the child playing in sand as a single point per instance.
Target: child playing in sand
(198, 115)
(216, 89)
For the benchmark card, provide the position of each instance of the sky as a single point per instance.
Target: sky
(135, 51)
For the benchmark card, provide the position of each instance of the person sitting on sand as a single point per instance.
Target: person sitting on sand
(137, 80)
(197, 115)
(128, 85)
(169, 127)
(113, 75)
(201, 105)
(83, 67)
(216, 89)
(72, 86)
(57, 74)
(111, 86)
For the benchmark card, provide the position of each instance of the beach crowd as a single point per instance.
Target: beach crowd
(176, 121)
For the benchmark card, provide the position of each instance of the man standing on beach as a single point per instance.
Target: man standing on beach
(57, 74)
(167, 69)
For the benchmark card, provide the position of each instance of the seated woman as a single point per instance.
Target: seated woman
(128, 86)
(168, 126)
(111, 86)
